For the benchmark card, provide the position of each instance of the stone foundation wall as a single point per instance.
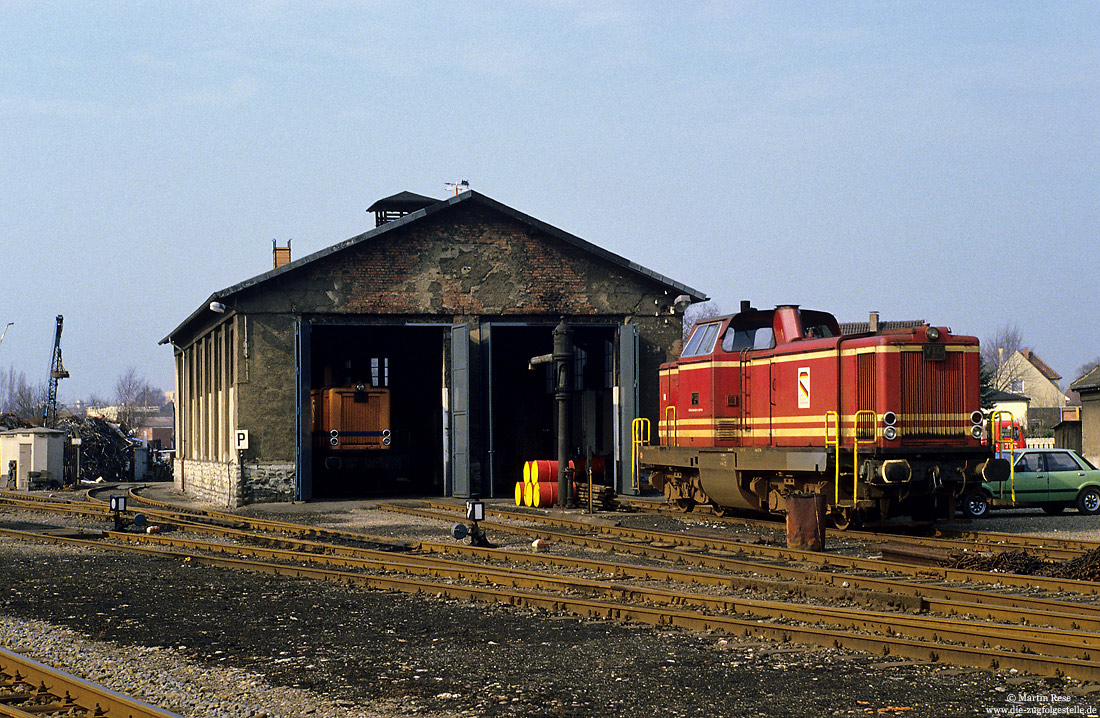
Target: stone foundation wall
(232, 485)
(268, 483)
(212, 482)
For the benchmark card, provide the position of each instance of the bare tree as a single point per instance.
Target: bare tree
(1087, 367)
(700, 312)
(133, 394)
(7, 388)
(997, 354)
(21, 398)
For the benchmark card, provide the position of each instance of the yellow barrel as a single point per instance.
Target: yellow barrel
(519, 493)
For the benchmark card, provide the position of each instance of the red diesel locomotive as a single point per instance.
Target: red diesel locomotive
(766, 403)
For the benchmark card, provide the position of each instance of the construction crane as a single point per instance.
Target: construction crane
(57, 371)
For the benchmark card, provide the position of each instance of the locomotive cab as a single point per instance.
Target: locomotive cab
(767, 402)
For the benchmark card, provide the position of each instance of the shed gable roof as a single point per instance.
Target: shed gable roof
(420, 214)
(1089, 382)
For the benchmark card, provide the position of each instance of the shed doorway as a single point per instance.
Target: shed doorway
(375, 411)
(522, 408)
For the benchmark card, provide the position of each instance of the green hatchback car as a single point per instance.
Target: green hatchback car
(1052, 479)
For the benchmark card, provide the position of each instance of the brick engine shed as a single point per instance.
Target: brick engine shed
(444, 303)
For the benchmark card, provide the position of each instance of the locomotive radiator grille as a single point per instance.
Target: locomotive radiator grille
(932, 396)
(865, 431)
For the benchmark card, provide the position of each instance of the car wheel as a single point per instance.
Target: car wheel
(1053, 509)
(975, 506)
(1088, 501)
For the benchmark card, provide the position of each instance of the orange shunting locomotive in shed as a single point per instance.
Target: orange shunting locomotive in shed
(766, 403)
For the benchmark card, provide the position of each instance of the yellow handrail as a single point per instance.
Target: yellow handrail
(671, 409)
(639, 435)
(855, 446)
(834, 442)
(1000, 445)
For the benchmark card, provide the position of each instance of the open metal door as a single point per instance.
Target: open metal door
(458, 470)
(626, 404)
(303, 414)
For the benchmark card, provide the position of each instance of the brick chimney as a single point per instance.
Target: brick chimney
(281, 254)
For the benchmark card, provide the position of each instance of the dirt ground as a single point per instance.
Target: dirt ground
(433, 656)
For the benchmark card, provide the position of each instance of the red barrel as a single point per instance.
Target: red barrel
(546, 493)
(543, 470)
(599, 465)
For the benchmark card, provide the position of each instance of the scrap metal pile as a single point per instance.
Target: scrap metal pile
(1085, 567)
(11, 421)
(106, 451)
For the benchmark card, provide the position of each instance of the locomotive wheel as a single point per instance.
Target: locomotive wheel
(685, 505)
(845, 519)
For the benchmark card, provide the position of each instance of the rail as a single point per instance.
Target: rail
(30, 688)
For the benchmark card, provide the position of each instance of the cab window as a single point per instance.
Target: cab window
(738, 339)
(817, 331)
(701, 342)
(765, 338)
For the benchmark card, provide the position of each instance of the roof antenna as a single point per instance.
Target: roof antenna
(462, 186)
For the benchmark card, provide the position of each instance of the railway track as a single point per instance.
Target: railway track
(1040, 636)
(688, 548)
(917, 535)
(29, 689)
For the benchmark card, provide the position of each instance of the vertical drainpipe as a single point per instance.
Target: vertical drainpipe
(563, 364)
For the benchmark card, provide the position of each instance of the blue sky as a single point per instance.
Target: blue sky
(933, 161)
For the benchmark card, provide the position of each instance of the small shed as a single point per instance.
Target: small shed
(32, 458)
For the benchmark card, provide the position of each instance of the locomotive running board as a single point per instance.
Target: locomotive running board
(742, 458)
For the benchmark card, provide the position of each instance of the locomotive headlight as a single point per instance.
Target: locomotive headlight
(889, 418)
(976, 431)
(933, 334)
(385, 441)
(890, 433)
(976, 417)
(334, 441)
(334, 433)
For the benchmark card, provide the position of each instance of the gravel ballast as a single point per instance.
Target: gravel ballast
(204, 641)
